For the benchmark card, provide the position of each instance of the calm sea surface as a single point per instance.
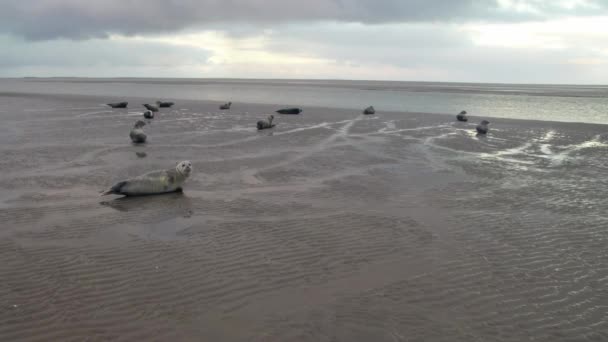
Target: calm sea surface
(572, 103)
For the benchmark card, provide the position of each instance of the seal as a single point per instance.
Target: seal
(289, 111)
(482, 128)
(153, 183)
(150, 107)
(369, 110)
(226, 106)
(118, 104)
(462, 116)
(137, 133)
(266, 124)
(148, 114)
(162, 104)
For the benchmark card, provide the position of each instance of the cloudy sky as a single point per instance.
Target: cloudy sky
(514, 41)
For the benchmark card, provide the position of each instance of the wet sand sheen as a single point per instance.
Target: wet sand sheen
(332, 226)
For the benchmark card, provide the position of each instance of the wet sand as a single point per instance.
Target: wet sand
(333, 226)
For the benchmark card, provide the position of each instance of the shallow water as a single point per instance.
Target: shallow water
(569, 103)
(333, 226)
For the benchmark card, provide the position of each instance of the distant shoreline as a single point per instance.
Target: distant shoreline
(287, 80)
(556, 90)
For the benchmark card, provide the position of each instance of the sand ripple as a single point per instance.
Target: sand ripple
(331, 227)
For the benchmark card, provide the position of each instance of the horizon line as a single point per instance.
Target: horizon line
(297, 79)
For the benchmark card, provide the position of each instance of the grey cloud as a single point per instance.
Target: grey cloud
(105, 58)
(76, 19)
(427, 46)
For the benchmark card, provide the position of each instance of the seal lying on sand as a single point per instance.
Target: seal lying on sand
(482, 128)
(289, 111)
(226, 106)
(162, 104)
(150, 107)
(148, 114)
(155, 182)
(369, 110)
(118, 104)
(137, 133)
(266, 124)
(462, 116)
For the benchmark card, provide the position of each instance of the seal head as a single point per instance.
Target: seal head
(184, 168)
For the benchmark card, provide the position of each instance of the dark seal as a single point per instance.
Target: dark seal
(163, 104)
(369, 110)
(482, 128)
(462, 116)
(263, 124)
(118, 104)
(290, 111)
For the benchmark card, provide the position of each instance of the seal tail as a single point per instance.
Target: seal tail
(113, 190)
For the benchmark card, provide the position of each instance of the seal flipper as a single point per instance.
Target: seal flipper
(114, 189)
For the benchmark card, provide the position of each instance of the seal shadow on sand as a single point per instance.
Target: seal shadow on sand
(174, 202)
(165, 217)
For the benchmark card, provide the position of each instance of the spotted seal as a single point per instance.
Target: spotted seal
(152, 183)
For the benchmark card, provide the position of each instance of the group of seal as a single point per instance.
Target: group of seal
(482, 128)
(171, 180)
(265, 124)
(159, 104)
(154, 108)
(290, 111)
(151, 109)
(155, 182)
(137, 134)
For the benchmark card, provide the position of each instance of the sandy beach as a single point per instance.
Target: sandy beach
(333, 226)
